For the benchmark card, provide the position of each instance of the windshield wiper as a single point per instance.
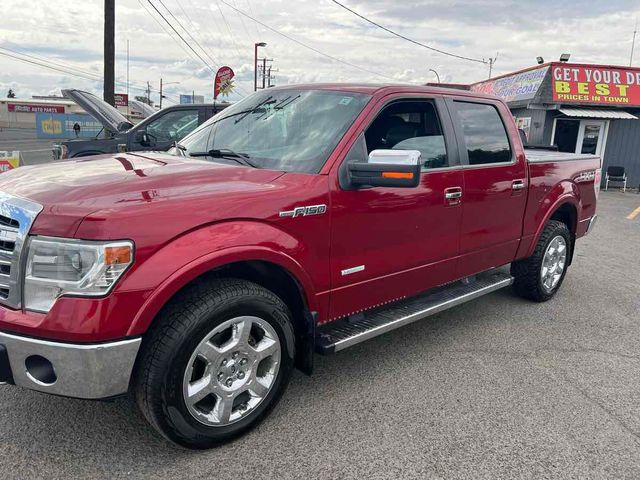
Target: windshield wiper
(254, 109)
(241, 158)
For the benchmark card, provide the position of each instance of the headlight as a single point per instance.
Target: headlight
(58, 266)
(60, 151)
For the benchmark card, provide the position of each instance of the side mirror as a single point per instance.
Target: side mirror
(387, 168)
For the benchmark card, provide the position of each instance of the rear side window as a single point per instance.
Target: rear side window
(484, 133)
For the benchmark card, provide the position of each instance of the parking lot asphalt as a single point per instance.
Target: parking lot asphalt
(32, 149)
(496, 388)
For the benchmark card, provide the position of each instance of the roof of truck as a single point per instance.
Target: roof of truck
(378, 88)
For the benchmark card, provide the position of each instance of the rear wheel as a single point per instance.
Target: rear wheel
(539, 277)
(217, 362)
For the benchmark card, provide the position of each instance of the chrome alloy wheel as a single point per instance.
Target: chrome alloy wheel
(231, 371)
(553, 263)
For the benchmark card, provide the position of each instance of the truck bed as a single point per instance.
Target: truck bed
(535, 156)
(558, 176)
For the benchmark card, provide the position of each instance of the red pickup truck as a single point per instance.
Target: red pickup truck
(302, 219)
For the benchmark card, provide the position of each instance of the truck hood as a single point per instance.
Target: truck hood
(71, 190)
(110, 118)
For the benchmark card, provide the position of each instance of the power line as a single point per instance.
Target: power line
(182, 38)
(51, 65)
(462, 57)
(213, 60)
(231, 36)
(304, 44)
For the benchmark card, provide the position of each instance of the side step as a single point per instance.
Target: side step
(338, 335)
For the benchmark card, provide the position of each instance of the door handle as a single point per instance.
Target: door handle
(453, 195)
(518, 185)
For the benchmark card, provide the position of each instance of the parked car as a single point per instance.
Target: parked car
(302, 219)
(158, 131)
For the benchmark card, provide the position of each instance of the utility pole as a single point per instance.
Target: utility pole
(160, 93)
(263, 71)
(109, 51)
(127, 78)
(633, 42)
(492, 62)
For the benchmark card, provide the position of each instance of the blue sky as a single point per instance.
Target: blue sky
(71, 33)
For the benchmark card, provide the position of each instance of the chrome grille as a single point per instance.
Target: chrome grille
(16, 217)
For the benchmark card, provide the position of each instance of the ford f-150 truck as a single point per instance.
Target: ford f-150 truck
(301, 219)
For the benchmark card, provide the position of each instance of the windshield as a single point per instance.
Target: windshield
(290, 130)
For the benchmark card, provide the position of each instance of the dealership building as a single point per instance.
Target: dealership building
(579, 108)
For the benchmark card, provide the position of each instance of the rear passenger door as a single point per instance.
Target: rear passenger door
(495, 184)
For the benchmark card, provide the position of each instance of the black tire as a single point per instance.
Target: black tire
(527, 272)
(167, 348)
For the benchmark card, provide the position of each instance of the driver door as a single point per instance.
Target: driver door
(388, 243)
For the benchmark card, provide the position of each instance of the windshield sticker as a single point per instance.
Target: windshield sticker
(345, 100)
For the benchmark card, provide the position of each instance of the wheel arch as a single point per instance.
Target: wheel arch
(274, 271)
(566, 210)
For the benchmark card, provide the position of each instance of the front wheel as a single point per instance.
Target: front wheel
(217, 362)
(539, 277)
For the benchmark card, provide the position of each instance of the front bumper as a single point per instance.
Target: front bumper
(73, 370)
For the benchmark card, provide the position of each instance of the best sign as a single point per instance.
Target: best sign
(594, 84)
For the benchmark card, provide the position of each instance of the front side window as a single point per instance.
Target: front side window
(173, 126)
(291, 130)
(484, 133)
(410, 125)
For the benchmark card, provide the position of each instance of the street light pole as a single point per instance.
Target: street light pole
(437, 76)
(255, 64)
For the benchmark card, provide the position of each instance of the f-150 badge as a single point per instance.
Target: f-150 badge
(304, 211)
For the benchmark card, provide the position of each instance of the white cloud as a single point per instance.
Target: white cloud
(71, 33)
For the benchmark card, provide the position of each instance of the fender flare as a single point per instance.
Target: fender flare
(566, 198)
(208, 262)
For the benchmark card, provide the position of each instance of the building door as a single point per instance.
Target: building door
(591, 136)
(580, 136)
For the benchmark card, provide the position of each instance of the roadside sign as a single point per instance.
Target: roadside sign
(9, 160)
(224, 82)
(121, 99)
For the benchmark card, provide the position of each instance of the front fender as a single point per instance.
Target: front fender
(208, 248)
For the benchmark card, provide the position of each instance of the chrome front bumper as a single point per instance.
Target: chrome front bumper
(73, 370)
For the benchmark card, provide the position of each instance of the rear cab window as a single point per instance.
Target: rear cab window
(485, 135)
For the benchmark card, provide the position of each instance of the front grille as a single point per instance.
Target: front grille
(16, 217)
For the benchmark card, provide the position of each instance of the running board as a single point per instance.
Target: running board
(338, 335)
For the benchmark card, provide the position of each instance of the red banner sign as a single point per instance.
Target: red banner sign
(595, 84)
(122, 99)
(223, 83)
(34, 108)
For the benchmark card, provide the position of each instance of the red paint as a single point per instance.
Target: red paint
(189, 216)
(34, 108)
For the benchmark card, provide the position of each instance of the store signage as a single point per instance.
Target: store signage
(121, 99)
(594, 84)
(191, 99)
(512, 88)
(9, 160)
(56, 125)
(224, 82)
(34, 108)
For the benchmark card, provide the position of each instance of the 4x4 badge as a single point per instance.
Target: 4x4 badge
(304, 211)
